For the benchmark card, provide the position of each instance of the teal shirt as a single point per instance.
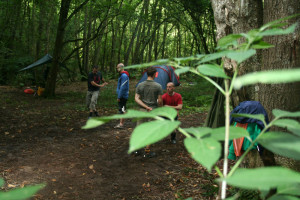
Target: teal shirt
(253, 130)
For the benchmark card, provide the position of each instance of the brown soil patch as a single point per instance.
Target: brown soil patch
(41, 141)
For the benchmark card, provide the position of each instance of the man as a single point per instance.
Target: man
(122, 92)
(94, 86)
(148, 96)
(174, 100)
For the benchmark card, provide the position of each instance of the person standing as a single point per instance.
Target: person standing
(122, 92)
(94, 79)
(174, 100)
(148, 96)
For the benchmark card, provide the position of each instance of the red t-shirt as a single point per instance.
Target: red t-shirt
(172, 100)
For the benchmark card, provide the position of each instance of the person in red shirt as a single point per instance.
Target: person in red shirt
(174, 100)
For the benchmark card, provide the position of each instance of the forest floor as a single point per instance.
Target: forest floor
(41, 141)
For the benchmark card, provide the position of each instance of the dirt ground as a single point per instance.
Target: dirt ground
(41, 141)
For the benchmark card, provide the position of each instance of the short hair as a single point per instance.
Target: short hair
(95, 67)
(120, 65)
(151, 71)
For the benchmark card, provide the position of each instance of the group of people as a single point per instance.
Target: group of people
(148, 95)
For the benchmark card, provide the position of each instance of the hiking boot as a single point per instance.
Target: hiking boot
(119, 126)
(149, 154)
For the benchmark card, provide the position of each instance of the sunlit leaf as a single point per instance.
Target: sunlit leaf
(290, 124)
(260, 117)
(214, 56)
(21, 193)
(241, 56)
(157, 62)
(182, 70)
(261, 45)
(235, 132)
(283, 197)
(263, 178)
(283, 144)
(278, 31)
(277, 22)
(186, 59)
(229, 39)
(206, 151)
(168, 112)
(269, 77)
(283, 113)
(93, 123)
(212, 70)
(198, 132)
(151, 132)
(293, 189)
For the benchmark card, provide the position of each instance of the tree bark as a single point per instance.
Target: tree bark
(51, 79)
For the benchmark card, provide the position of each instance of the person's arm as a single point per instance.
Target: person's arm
(159, 101)
(141, 103)
(97, 85)
(178, 107)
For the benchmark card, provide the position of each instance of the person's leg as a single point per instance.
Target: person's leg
(122, 110)
(93, 103)
(88, 102)
(173, 135)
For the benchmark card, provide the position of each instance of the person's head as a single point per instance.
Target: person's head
(95, 69)
(151, 71)
(120, 67)
(170, 88)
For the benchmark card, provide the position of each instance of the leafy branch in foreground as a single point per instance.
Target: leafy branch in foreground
(203, 143)
(20, 193)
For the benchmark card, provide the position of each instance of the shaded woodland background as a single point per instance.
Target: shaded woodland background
(100, 33)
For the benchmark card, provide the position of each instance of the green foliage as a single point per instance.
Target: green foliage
(203, 143)
(20, 193)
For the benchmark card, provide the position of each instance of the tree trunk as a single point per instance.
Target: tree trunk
(285, 55)
(51, 79)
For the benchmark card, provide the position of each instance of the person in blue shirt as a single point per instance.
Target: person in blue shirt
(122, 92)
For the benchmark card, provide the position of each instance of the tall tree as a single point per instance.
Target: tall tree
(63, 20)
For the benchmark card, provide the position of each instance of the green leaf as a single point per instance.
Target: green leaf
(283, 113)
(198, 132)
(278, 31)
(186, 59)
(205, 151)
(228, 40)
(235, 132)
(277, 22)
(92, 123)
(157, 62)
(21, 193)
(1, 182)
(284, 144)
(283, 197)
(269, 77)
(212, 70)
(151, 132)
(168, 112)
(290, 124)
(289, 189)
(261, 45)
(214, 56)
(260, 117)
(241, 56)
(182, 70)
(263, 178)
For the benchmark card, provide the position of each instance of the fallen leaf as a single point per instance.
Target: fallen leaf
(53, 179)
(91, 166)
(6, 133)
(11, 185)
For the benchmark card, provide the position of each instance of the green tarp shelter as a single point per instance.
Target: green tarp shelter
(44, 60)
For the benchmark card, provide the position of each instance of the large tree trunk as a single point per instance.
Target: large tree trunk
(285, 55)
(51, 79)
